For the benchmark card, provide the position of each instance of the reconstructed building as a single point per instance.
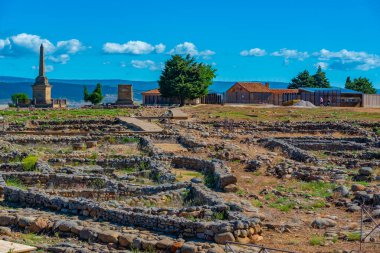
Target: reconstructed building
(332, 96)
(124, 94)
(255, 93)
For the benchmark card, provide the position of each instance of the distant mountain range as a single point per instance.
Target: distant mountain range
(73, 89)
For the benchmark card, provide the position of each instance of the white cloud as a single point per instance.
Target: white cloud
(132, 47)
(160, 48)
(290, 54)
(4, 43)
(147, 64)
(70, 46)
(253, 52)
(23, 44)
(191, 49)
(48, 68)
(324, 65)
(345, 59)
(62, 58)
(32, 42)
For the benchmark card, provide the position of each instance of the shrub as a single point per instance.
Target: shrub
(15, 182)
(317, 240)
(219, 216)
(130, 140)
(353, 236)
(209, 180)
(29, 163)
(257, 203)
(19, 97)
(97, 183)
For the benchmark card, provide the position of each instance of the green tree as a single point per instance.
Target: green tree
(303, 79)
(85, 94)
(348, 81)
(19, 97)
(95, 97)
(320, 79)
(361, 84)
(184, 78)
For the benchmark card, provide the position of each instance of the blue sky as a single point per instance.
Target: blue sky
(244, 40)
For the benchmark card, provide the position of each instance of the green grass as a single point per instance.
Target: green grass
(23, 115)
(37, 240)
(317, 240)
(240, 192)
(257, 203)
(364, 183)
(253, 113)
(318, 189)
(353, 236)
(127, 170)
(283, 204)
(15, 182)
(94, 156)
(219, 216)
(97, 183)
(130, 140)
(29, 163)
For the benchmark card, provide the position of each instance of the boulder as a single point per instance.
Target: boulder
(6, 220)
(222, 238)
(164, 243)
(256, 238)
(64, 226)
(376, 213)
(323, 223)
(365, 171)
(342, 190)
(126, 240)
(5, 231)
(216, 249)
(176, 246)
(357, 187)
(88, 234)
(108, 236)
(231, 188)
(38, 225)
(25, 221)
(188, 248)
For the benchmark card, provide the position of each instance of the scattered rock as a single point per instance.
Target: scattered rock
(224, 237)
(323, 223)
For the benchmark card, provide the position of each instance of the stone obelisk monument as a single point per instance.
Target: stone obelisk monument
(41, 87)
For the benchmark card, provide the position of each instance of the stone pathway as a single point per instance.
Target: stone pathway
(141, 125)
(6, 246)
(178, 114)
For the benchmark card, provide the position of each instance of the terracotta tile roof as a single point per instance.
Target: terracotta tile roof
(152, 92)
(279, 91)
(253, 86)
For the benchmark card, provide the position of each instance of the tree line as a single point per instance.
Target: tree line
(184, 78)
(319, 80)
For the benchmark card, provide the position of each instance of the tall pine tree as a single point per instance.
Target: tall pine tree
(361, 84)
(303, 79)
(320, 79)
(348, 82)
